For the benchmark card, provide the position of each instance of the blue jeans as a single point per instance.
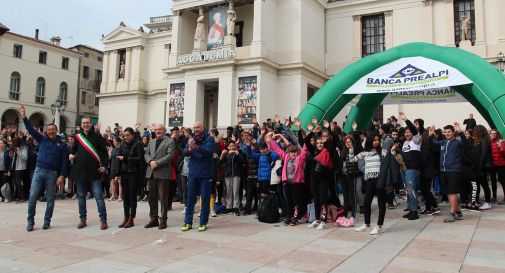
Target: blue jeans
(97, 189)
(411, 180)
(42, 179)
(198, 186)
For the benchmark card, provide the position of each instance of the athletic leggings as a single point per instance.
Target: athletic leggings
(350, 198)
(370, 191)
(319, 185)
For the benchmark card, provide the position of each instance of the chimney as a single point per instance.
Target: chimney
(56, 40)
(37, 33)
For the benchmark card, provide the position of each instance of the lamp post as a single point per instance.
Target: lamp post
(500, 61)
(57, 108)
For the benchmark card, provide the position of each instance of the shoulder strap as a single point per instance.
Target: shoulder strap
(88, 146)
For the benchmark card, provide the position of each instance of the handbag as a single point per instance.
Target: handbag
(333, 213)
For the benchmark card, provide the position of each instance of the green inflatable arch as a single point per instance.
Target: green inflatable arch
(486, 93)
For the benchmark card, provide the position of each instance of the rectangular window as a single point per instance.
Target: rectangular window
(97, 101)
(85, 72)
(98, 74)
(372, 34)
(17, 51)
(42, 57)
(100, 58)
(464, 19)
(64, 63)
(83, 97)
(86, 55)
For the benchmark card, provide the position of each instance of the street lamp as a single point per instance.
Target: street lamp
(57, 108)
(500, 61)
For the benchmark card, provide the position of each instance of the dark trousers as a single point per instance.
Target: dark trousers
(370, 191)
(252, 194)
(278, 190)
(3, 179)
(293, 193)
(158, 188)
(184, 188)
(20, 180)
(350, 195)
(429, 199)
(319, 185)
(500, 171)
(482, 182)
(130, 182)
(171, 192)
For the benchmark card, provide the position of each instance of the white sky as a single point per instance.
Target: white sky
(79, 21)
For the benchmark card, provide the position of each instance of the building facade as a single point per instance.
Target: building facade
(277, 55)
(36, 73)
(90, 78)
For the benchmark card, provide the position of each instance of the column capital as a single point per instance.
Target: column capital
(356, 18)
(388, 13)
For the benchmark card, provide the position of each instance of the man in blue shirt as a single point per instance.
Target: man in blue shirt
(51, 169)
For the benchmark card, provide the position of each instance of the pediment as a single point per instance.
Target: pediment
(121, 33)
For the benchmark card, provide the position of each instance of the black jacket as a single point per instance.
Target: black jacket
(232, 164)
(133, 156)
(389, 172)
(85, 165)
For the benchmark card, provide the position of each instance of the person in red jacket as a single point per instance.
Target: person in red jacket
(498, 157)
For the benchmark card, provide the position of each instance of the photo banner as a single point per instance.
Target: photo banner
(217, 27)
(176, 105)
(409, 74)
(246, 103)
(441, 95)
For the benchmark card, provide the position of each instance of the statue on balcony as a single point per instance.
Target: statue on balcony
(465, 28)
(199, 26)
(121, 70)
(232, 16)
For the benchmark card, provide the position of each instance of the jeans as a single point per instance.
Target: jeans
(198, 186)
(411, 179)
(42, 179)
(97, 189)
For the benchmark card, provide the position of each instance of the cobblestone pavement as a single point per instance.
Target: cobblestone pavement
(242, 244)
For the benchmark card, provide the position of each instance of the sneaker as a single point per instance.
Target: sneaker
(435, 211)
(202, 228)
(321, 226)
(183, 210)
(46, 226)
(237, 212)
(294, 221)
(186, 227)
(74, 196)
(501, 202)
(287, 221)
(213, 214)
(413, 215)
(362, 228)
(450, 218)
(473, 208)
(459, 215)
(314, 224)
(426, 212)
(376, 230)
(485, 206)
(407, 215)
(29, 227)
(391, 206)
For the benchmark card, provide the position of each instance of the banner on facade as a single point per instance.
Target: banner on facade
(246, 107)
(217, 27)
(440, 95)
(176, 105)
(409, 74)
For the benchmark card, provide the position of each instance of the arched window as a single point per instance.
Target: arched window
(15, 86)
(41, 91)
(63, 92)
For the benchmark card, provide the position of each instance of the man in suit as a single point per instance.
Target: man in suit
(158, 156)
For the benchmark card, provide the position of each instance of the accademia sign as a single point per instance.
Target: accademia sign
(213, 55)
(409, 74)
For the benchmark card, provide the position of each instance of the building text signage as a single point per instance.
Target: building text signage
(213, 55)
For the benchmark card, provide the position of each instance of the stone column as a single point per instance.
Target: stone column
(388, 29)
(480, 30)
(176, 39)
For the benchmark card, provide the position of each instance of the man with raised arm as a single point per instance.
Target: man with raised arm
(51, 169)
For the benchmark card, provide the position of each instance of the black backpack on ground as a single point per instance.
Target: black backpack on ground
(268, 209)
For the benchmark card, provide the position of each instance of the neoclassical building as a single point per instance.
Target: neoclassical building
(36, 73)
(192, 66)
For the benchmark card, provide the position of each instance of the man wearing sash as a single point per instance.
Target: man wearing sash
(51, 169)
(90, 158)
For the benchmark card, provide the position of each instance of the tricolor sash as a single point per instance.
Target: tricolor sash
(88, 147)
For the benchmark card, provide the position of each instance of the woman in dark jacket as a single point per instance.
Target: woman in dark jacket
(350, 174)
(321, 175)
(131, 155)
(482, 152)
(428, 173)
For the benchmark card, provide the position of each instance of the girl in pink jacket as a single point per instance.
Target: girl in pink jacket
(293, 176)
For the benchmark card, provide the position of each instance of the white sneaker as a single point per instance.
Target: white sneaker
(376, 230)
(362, 228)
(321, 226)
(213, 214)
(183, 210)
(314, 224)
(485, 206)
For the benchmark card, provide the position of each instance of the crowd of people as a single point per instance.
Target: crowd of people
(305, 171)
